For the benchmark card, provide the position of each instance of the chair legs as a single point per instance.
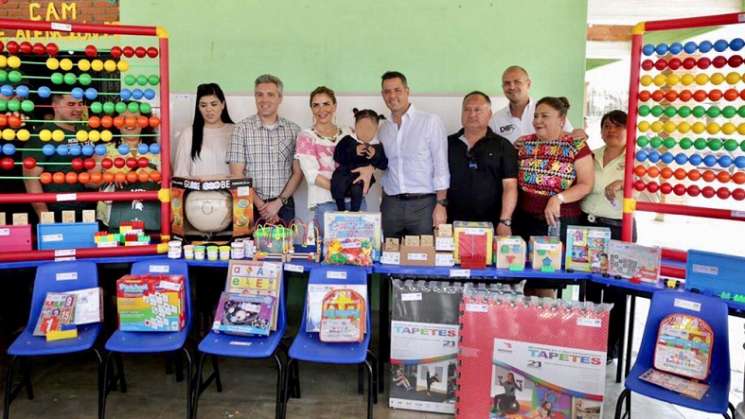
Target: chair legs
(624, 396)
(372, 392)
(278, 409)
(731, 410)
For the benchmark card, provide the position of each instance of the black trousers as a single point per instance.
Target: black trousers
(407, 216)
(342, 186)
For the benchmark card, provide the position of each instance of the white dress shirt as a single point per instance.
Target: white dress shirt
(417, 154)
(512, 128)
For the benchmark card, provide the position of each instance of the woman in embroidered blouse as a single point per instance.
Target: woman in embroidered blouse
(201, 148)
(555, 172)
(315, 152)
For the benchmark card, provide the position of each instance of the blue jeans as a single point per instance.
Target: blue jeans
(330, 206)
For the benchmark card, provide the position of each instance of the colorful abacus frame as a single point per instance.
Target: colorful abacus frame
(162, 195)
(636, 100)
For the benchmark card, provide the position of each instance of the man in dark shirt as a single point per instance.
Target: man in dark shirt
(68, 115)
(483, 169)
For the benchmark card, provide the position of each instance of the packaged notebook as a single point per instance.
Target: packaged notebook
(530, 358)
(88, 305)
(352, 238)
(240, 314)
(587, 249)
(256, 278)
(343, 316)
(58, 310)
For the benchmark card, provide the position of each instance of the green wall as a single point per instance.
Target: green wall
(443, 46)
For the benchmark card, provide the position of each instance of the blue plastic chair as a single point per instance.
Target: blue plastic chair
(151, 342)
(247, 347)
(713, 311)
(51, 277)
(308, 347)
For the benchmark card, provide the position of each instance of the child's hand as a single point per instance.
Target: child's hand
(361, 149)
(370, 152)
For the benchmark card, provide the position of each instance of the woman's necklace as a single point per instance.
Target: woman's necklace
(331, 138)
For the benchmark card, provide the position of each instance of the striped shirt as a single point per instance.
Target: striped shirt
(267, 152)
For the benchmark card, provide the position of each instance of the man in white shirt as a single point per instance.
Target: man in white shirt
(516, 119)
(416, 182)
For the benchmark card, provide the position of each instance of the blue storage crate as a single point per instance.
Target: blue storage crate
(66, 235)
(715, 274)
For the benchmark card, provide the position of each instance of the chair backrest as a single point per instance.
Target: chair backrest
(167, 267)
(338, 274)
(59, 277)
(710, 309)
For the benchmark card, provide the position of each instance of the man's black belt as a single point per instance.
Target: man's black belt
(602, 220)
(411, 196)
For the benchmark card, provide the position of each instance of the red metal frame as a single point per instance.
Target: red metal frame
(630, 205)
(165, 157)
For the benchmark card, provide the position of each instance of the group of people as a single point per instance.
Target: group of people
(523, 168)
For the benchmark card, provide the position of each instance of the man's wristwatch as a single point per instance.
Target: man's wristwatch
(284, 200)
(506, 221)
(443, 202)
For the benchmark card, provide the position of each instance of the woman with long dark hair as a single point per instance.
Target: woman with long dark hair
(201, 148)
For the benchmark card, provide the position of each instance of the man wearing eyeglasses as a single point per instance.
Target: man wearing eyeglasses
(483, 169)
(516, 119)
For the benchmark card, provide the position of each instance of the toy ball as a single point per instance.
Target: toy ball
(118, 121)
(735, 60)
(76, 164)
(653, 187)
(640, 170)
(77, 93)
(155, 149)
(116, 52)
(137, 94)
(107, 163)
(38, 49)
(647, 65)
(89, 163)
(694, 175)
(45, 178)
(708, 176)
(740, 162)
(667, 157)
(685, 96)
(142, 162)
(738, 194)
(48, 150)
(71, 178)
(143, 177)
(152, 52)
(641, 155)
(84, 177)
(6, 90)
(675, 48)
(689, 63)
(143, 121)
(695, 159)
(719, 61)
(8, 149)
(12, 47)
(90, 51)
(122, 66)
(132, 177)
(125, 94)
(680, 174)
(87, 150)
(720, 45)
(8, 134)
(120, 177)
(705, 46)
(155, 176)
(666, 188)
(679, 189)
(13, 121)
(723, 193)
(128, 52)
(94, 135)
(107, 121)
(660, 64)
(142, 148)
(62, 149)
(52, 49)
(710, 160)
(209, 211)
(644, 96)
(123, 149)
(27, 106)
(6, 163)
(109, 66)
(91, 93)
(119, 162)
(96, 177)
(639, 185)
(661, 48)
(26, 47)
(648, 49)
(74, 149)
(97, 65)
(58, 177)
(725, 161)
(658, 95)
(100, 150)
(693, 190)
(22, 91)
(731, 95)
(653, 171)
(84, 65)
(739, 178)
(107, 177)
(134, 107)
(736, 44)
(723, 176)
(132, 163)
(674, 63)
(140, 52)
(120, 107)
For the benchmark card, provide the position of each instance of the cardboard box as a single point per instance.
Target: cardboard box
(47, 217)
(546, 252)
(444, 230)
(241, 192)
(427, 240)
(392, 245)
(20, 219)
(68, 216)
(587, 249)
(151, 303)
(89, 216)
(412, 241)
(3, 220)
(418, 255)
(510, 253)
(482, 232)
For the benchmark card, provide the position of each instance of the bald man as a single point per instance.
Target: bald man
(516, 119)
